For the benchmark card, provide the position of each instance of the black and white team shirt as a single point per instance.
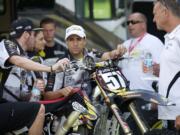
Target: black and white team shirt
(79, 78)
(7, 49)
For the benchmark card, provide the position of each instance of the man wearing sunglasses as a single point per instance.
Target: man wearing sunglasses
(140, 43)
(138, 46)
(167, 17)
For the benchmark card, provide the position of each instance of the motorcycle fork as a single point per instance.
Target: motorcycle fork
(141, 124)
(116, 111)
(63, 129)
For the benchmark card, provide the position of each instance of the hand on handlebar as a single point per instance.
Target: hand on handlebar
(121, 49)
(114, 54)
(118, 52)
(60, 65)
(89, 64)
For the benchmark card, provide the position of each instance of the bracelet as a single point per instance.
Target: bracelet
(51, 69)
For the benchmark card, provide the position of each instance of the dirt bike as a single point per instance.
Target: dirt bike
(113, 88)
(76, 109)
(85, 123)
(78, 113)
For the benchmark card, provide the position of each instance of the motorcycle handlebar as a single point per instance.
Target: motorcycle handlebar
(90, 64)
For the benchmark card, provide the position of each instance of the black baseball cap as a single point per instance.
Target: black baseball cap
(18, 27)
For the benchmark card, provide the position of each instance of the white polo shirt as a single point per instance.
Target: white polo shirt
(132, 68)
(169, 67)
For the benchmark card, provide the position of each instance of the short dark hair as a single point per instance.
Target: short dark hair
(47, 20)
(37, 31)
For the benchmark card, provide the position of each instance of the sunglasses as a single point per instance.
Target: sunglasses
(133, 22)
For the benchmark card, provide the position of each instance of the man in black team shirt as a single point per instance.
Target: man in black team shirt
(52, 48)
(76, 41)
(18, 115)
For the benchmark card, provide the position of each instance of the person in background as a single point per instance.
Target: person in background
(39, 46)
(37, 78)
(52, 49)
(167, 18)
(13, 53)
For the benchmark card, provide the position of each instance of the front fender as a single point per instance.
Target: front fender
(146, 95)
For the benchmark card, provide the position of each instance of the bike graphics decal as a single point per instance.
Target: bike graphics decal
(113, 80)
(78, 107)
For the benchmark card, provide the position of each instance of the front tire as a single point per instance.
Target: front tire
(83, 130)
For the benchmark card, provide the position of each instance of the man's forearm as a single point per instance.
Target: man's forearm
(28, 64)
(52, 95)
(106, 56)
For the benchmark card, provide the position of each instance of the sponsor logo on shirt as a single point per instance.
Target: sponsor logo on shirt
(58, 52)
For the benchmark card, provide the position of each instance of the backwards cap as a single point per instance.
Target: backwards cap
(18, 27)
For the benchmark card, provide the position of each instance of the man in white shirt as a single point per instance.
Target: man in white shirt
(136, 68)
(167, 17)
(138, 46)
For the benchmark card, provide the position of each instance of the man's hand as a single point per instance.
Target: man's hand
(177, 122)
(156, 69)
(60, 65)
(121, 49)
(114, 54)
(118, 52)
(66, 91)
(40, 84)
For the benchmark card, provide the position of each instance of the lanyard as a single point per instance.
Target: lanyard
(132, 46)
